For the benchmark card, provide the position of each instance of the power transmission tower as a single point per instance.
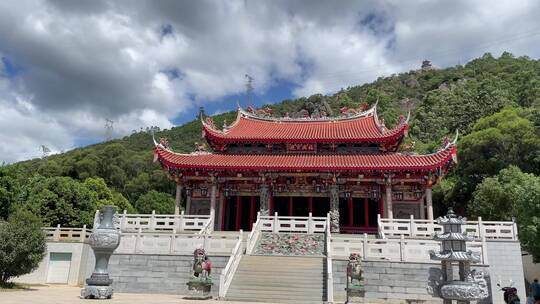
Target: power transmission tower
(44, 151)
(249, 89)
(108, 129)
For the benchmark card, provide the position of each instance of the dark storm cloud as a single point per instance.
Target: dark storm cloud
(71, 64)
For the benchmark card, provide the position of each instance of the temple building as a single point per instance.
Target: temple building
(349, 166)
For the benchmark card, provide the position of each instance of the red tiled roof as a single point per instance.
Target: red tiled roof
(361, 128)
(307, 162)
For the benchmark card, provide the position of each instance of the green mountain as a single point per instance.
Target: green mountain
(441, 101)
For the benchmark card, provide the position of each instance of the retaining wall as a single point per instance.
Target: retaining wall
(403, 282)
(152, 273)
(393, 282)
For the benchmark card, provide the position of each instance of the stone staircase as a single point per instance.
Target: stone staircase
(279, 279)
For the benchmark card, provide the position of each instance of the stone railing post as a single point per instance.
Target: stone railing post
(56, 236)
(402, 254)
(310, 223)
(181, 221)
(173, 240)
(480, 228)
(123, 220)
(276, 223)
(137, 240)
(514, 229)
(82, 236)
(152, 221)
(364, 246)
(412, 227)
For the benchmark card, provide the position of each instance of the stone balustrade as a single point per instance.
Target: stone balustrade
(158, 222)
(66, 234)
(394, 250)
(424, 229)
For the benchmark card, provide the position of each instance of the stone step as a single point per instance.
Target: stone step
(271, 300)
(282, 258)
(279, 279)
(282, 288)
(271, 294)
(262, 282)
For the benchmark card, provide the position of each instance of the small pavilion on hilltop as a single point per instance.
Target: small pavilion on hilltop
(348, 166)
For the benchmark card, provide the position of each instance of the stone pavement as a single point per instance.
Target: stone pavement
(70, 295)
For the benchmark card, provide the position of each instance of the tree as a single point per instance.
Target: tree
(162, 203)
(9, 190)
(512, 194)
(106, 196)
(60, 200)
(496, 141)
(22, 245)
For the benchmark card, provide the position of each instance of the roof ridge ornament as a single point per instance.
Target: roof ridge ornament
(163, 142)
(154, 138)
(454, 142)
(446, 143)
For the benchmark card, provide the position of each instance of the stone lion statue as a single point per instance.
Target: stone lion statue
(202, 267)
(354, 270)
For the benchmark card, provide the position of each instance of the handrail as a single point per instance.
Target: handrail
(157, 222)
(144, 242)
(292, 224)
(228, 272)
(209, 226)
(329, 275)
(66, 234)
(380, 227)
(420, 228)
(396, 250)
(253, 235)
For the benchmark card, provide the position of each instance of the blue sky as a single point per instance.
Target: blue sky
(67, 66)
(278, 91)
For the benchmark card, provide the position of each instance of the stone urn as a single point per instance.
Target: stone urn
(103, 241)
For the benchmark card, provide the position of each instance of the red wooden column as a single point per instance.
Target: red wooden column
(381, 207)
(351, 214)
(223, 212)
(238, 212)
(251, 212)
(366, 212)
(290, 206)
(310, 204)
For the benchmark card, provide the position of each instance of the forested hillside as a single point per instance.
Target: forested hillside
(494, 102)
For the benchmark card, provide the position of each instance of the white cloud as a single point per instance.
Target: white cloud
(145, 63)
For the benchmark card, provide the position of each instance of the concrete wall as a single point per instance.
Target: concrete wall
(81, 258)
(139, 273)
(505, 263)
(531, 269)
(393, 282)
(396, 282)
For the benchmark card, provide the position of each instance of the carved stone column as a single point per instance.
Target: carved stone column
(429, 202)
(334, 208)
(188, 202)
(264, 199)
(178, 202)
(103, 241)
(388, 199)
(213, 193)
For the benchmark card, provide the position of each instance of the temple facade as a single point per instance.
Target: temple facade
(348, 166)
